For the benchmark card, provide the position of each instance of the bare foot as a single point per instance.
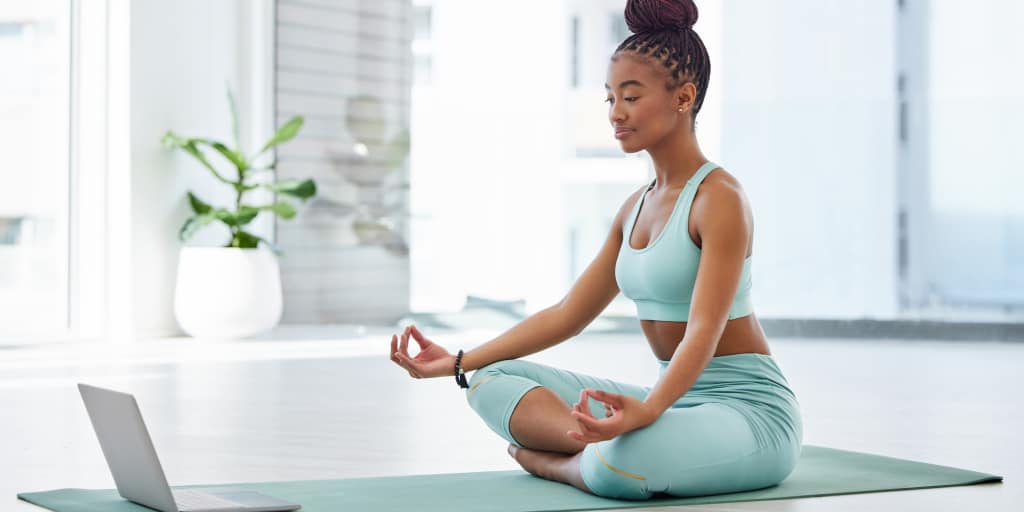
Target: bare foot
(550, 465)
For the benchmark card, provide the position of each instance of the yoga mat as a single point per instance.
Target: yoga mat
(820, 472)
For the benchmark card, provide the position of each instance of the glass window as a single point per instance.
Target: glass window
(974, 254)
(34, 124)
(422, 44)
(421, 22)
(515, 171)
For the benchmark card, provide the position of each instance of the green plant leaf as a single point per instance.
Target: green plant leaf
(245, 240)
(304, 189)
(235, 157)
(225, 216)
(282, 209)
(243, 216)
(194, 224)
(287, 132)
(246, 214)
(171, 140)
(198, 205)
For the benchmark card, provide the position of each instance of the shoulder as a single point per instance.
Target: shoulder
(720, 200)
(720, 190)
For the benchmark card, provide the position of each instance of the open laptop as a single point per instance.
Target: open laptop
(132, 459)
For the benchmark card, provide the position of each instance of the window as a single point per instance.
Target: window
(964, 149)
(34, 125)
(516, 174)
(422, 44)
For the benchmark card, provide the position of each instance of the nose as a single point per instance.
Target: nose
(616, 113)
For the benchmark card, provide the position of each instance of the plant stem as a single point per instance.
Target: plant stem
(238, 206)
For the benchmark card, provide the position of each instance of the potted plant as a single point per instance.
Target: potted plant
(233, 291)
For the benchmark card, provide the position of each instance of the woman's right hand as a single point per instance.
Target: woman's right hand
(432, 360)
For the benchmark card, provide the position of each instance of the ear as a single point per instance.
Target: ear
(685, 95)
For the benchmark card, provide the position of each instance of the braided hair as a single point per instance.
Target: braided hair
(663, 33)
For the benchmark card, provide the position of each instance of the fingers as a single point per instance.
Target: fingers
(612, 399)
(587, 438)
(403, 347)
(399, 350)
(588, 422)
(406, 363)
(584, 403)
(586, 434)
(394, 349)
(593, 429)
(418, 336)
(401, 357)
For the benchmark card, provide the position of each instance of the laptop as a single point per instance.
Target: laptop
(132, 459)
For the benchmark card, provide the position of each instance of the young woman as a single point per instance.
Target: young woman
(721, 417)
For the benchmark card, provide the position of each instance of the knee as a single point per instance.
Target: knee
(484, 372)
(495, 390)
(609, 475)
(504, 367)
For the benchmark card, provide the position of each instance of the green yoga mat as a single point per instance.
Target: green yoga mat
(821, 472)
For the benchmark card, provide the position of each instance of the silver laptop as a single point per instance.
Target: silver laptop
(132, 459)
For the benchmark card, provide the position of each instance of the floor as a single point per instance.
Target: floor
(325, 402)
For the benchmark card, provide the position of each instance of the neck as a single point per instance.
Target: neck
(676, 159)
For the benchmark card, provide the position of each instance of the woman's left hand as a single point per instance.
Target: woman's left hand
(624, 413)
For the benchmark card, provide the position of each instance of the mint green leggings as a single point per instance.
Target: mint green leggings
(738, 428)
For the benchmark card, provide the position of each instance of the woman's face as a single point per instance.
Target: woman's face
(641, 109)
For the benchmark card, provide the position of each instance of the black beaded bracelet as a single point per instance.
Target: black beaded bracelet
(460, 376)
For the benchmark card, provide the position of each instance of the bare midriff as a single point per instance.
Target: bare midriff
(741, 335)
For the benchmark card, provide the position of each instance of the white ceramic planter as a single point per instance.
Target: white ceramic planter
(224, 292)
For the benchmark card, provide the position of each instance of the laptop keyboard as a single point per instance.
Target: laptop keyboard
(200, 501)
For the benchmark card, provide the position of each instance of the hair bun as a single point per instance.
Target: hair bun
(656, 15)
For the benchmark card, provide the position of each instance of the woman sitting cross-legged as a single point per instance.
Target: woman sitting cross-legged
(721, 417)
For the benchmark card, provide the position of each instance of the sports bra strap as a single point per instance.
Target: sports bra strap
(702, 172)
(697, 178)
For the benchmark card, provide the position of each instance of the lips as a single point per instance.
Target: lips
(623, 132)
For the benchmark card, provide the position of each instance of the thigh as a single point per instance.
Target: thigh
(564, 383)
(688, 451)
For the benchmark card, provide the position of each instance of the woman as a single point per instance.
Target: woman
(721, 417)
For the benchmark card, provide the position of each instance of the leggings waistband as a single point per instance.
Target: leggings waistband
(747, 369)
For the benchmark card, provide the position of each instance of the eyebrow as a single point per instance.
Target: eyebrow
(627, 82)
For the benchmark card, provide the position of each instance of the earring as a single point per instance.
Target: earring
(680, 109)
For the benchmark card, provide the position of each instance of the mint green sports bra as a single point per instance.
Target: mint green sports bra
(661, 276)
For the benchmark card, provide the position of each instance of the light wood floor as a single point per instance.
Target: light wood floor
(323, 403)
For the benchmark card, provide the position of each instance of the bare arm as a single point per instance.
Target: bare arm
(541, 330)
(589, 296)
